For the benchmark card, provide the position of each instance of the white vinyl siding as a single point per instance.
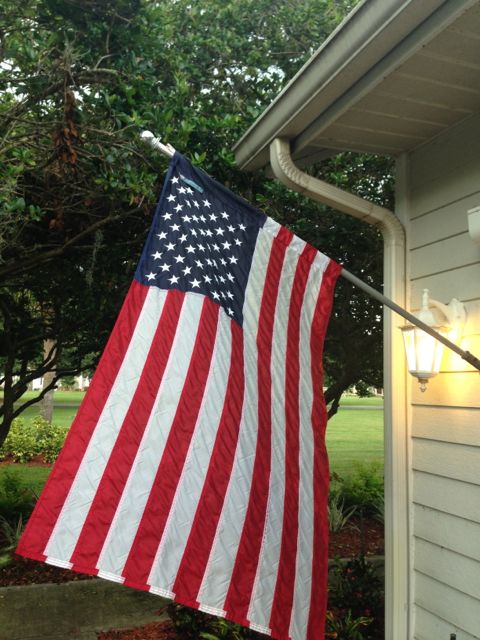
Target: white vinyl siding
(443, 183)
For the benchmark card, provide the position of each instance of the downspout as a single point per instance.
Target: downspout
(396, 430)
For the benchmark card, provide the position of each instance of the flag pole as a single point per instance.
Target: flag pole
(168, 150)
(149, 138)
(465, 355)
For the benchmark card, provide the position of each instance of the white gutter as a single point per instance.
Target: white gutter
(396, 433)
(369, 45)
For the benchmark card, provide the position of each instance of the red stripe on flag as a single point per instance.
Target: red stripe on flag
(284, 588)
(243, 575)
(197, 551)
(47, 510)
(157, 509)
(318, 599)
(112, 484)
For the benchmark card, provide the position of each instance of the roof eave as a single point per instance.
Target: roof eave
(358, 44)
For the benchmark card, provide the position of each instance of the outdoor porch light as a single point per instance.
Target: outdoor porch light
(424, 352)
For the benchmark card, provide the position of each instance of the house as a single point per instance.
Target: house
(402, 78)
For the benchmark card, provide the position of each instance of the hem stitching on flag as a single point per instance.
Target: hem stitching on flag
(64, 564)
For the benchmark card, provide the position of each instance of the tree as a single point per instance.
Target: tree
(78, 83)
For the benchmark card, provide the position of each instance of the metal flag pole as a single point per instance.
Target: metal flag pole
(465, 355)
(168, 150)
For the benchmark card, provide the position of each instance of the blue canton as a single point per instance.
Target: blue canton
(202, 239)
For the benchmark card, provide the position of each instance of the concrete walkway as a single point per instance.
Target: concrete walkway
(73, 610)
(79, 610)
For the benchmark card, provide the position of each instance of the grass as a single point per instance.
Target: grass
(33, 477)
(353, 436)
(62, 397)
(375, 401)
(62, 415)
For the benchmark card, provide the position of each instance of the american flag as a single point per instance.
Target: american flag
(196, 467)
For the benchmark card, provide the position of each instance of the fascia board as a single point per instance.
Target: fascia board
(369, 33)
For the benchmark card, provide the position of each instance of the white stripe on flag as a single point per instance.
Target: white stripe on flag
(75, 508)
(266, 577)
(177, 529)
(140, 480)
(303, 570)
(221, 561)
(320, 263)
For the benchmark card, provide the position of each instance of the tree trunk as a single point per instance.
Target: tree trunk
(46, 404)
(5, 427)
(8, 396)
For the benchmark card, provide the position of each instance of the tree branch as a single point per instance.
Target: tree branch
(20, 268)
(55, 87)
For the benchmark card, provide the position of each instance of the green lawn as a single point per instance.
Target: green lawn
(348, 401)
(33, 477)
(63, 415)
(63, 397)
(355, 436)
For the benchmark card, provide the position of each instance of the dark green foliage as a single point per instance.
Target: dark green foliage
(39, 437)
(68, 383)
(9, 537)
(357, 592)
(16, 504)
(16, 499)
(77, 85)
(364, 489)
(355, 609)
(363, 389)
(338, 514)
(342, 625)
(191, 624)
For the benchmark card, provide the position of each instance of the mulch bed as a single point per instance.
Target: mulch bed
(36, 461)
(153, 631)
(24, 572)
(343, 544)
(364, 537)
(358, 537)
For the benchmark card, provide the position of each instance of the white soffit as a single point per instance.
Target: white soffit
(417, 74)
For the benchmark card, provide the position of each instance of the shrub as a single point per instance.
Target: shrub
(363, 390)
(345, 627)
(379, 509)
(11, 535)
(355, 610)
(364, 489)
(188, 623)
(49, 438)
(16, 499)
(338, 514)
(191, 624)
(27, 440)
(20, 442)
(356, 592)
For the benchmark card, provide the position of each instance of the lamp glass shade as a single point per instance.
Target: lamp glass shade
(424, 352)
